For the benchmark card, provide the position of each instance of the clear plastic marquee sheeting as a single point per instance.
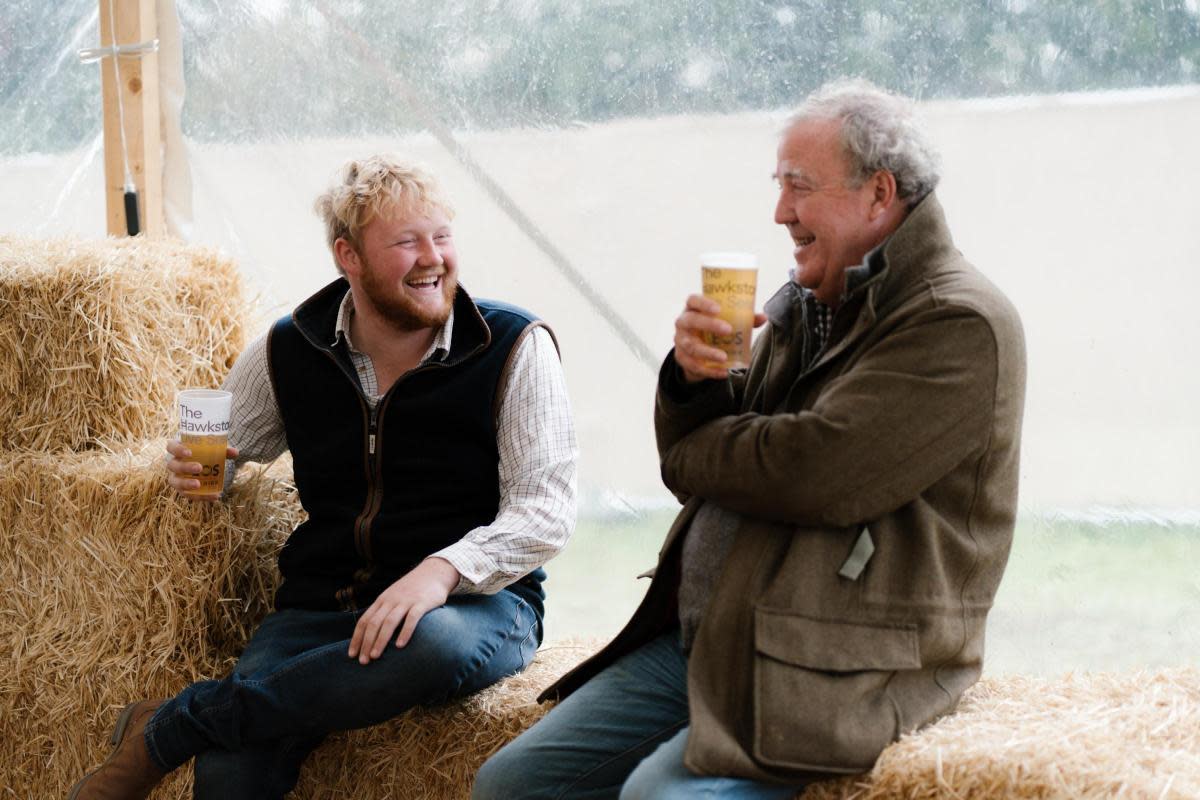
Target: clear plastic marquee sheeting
(594, 149)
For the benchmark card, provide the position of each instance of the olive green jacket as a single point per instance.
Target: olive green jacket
(878, 493)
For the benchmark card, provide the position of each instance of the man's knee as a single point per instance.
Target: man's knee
(503, 776)
(443, 644)
(444, 629)
(476, 648)
(650, 784)
(661, 775)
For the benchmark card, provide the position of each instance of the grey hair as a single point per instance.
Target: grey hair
(879, 132)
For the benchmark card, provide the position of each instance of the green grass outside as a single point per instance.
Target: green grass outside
(1076, 595)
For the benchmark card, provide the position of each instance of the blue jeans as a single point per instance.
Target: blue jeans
(295, 683)
(620, 734)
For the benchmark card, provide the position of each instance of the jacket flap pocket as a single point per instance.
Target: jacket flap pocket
(835, 646)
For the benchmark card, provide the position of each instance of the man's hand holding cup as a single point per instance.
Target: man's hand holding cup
(196, 465)
(712, 335)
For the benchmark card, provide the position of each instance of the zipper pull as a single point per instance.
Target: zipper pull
(371, 443)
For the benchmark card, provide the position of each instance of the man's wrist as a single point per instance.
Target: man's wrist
(442, 571)
(676, 385)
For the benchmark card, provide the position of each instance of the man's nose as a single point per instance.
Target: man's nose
(430, 255)
(784, 213)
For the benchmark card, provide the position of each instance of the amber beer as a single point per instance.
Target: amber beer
(731, 279)
(204, 429)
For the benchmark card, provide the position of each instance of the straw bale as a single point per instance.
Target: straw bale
(116, 589)
(97, 336)
(434, 753)
(1082, 735)
(1076, 736)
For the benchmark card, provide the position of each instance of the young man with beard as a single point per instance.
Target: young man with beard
(434, 452)
(849, 500)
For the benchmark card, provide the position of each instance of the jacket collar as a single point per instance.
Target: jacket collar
(887, 273)
(317, 320)
(895, 268)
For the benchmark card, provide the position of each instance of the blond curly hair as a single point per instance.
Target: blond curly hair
(374, 186)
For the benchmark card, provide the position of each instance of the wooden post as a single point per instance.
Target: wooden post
(136, 22)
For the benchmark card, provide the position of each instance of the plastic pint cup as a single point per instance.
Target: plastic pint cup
(204, 429)
(731, 280)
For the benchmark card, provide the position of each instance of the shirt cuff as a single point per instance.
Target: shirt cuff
(474, 566)
(230, 473)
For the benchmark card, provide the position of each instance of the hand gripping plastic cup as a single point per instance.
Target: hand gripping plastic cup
(204, 429)
(731, 279)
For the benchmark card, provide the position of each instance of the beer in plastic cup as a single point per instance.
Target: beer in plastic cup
(731, 280)
(204, 429)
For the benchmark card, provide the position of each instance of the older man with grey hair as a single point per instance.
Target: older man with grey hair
(849, 500)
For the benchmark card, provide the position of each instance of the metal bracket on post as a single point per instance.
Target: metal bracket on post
(93, 54)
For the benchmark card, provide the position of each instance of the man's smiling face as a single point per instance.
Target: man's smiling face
(409, 268)
(826, 211)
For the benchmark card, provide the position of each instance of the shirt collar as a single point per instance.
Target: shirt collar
(438, 350)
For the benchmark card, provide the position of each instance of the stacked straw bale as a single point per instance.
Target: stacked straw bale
(116, 589)
(97, 336)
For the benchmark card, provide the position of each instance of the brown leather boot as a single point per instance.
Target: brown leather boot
(128, 773)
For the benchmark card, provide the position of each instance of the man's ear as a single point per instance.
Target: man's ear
(347, 257)
(883, 186)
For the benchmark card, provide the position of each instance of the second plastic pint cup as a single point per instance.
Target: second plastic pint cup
(204, 429)
(731, 280)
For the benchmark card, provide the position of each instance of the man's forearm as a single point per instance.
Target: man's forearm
(680, 407)
(879, 436)
(538, 451)
(532, 527)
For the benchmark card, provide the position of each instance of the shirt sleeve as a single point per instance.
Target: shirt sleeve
(255, 423)
(536, 438)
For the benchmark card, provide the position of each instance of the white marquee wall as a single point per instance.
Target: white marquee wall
(1082, 207)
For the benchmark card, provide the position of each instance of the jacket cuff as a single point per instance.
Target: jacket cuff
(682, 406)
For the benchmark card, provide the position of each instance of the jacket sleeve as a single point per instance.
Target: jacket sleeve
(915, 405)
(680, 407)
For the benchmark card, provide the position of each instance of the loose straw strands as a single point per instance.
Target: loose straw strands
(96, 337)
(1083, 735)
(115, 590)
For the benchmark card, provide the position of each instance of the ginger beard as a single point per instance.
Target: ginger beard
(411, 308)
